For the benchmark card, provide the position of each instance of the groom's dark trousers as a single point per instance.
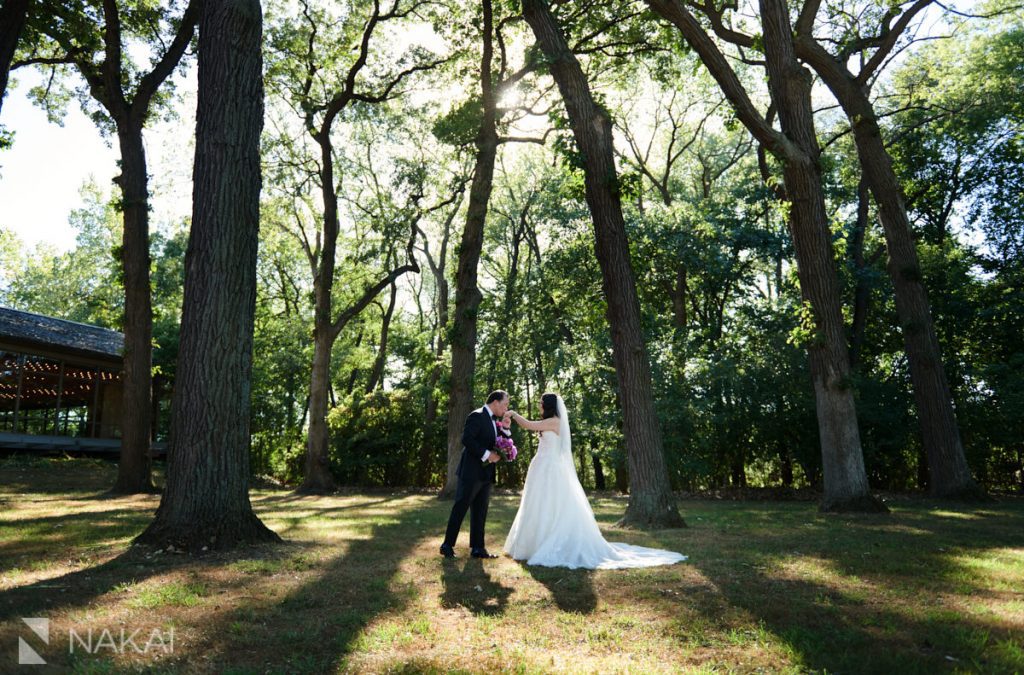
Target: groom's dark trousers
(475, 480)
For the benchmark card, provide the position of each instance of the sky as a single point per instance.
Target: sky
(40, 176)
(42, 173)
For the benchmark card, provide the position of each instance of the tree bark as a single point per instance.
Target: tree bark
(786, 467)
(206, 501)
(621, 477)
(322, 260)
(134, 467)
(13, 14)
(317, 477)
(599, 481)
(651, 502)
(467, 294)
(846, 484)
(949, 474)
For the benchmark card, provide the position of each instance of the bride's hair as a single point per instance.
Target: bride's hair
(549, 405)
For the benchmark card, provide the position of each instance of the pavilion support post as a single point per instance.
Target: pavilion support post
(95, 405)
(60, 393)
(17, 399)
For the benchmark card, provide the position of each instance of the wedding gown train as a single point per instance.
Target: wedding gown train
(555, 526)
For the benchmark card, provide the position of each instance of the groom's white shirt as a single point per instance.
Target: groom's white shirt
(490, 416)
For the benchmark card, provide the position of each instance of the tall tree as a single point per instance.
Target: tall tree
(206, 501)
(126, 98)
(651, 502)
(845, 479)
(467, 294)
(439, 269)
(321, 96)
(949, 474)
(493, 82)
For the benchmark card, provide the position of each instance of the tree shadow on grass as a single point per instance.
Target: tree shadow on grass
(469, 584)
(292, 499)
(68, 600)
(830, 630)
(62, 477)
(59, 537)
(828, 614)
(312, 628)
(317, 625)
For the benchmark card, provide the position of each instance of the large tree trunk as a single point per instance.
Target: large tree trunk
(467, 295)
(13, 14)
(206, 501)
(949, 474)
(133, 473)
(317, 478)
(651, 502)
(846, 483)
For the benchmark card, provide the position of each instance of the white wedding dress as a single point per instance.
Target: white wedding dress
(555, 526)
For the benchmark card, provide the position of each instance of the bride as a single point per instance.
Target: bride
(555, 525)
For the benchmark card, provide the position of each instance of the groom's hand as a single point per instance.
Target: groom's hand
(494, 457)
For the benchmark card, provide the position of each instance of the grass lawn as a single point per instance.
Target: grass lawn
(359, 586)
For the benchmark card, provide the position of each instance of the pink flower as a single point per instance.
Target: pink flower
(507, 447)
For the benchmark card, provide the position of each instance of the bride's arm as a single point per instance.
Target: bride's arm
(550, 424)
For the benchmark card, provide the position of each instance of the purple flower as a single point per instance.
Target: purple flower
(507, 447)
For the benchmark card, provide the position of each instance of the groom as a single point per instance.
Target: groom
(476, 474)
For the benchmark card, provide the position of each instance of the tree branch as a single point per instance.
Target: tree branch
(677, 14)
(154, 78)
(887, 39)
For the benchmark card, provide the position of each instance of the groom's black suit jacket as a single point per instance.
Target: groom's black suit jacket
(478, 437)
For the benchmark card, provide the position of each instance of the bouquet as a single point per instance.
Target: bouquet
(507, 447)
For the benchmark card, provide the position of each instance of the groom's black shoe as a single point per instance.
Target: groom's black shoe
(447, 551)
(481, 553)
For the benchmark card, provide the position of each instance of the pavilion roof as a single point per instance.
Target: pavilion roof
(58, 335)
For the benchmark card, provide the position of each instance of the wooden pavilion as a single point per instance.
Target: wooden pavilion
(60, 384)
